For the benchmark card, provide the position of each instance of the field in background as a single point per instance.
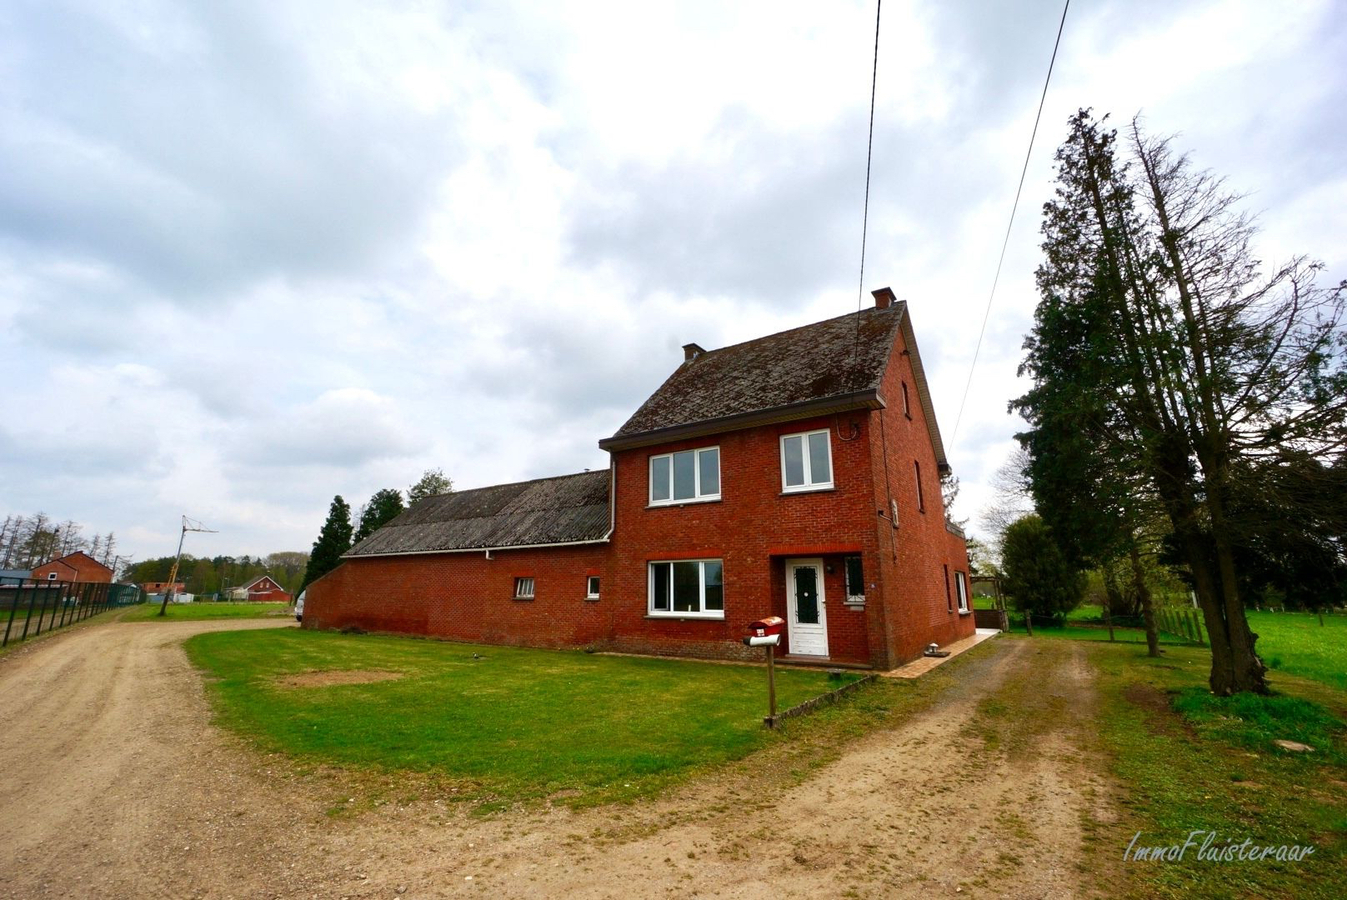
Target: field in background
(1296, 643)
(190, 612)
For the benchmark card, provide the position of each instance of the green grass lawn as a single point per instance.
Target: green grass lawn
(515, 724)
(189, 612)
(1295, 643)
(1193, 762)
(1098, 633)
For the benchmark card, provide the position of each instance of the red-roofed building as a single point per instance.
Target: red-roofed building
(77, 566)
(265, 590)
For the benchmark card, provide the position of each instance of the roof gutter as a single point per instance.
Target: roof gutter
(866, 399)
(602, 540)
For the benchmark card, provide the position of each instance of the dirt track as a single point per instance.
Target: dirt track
(117, 786)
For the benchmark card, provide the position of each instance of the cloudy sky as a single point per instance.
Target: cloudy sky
(256, 254)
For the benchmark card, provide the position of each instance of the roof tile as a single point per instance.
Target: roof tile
(826, 359)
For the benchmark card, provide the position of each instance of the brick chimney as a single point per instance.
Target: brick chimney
(691, 352)
(884, 298)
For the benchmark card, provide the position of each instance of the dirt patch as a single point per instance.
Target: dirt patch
(332, 677)
(1160, 715)
(1148, 698)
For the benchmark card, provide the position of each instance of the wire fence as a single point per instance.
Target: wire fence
(28, 608)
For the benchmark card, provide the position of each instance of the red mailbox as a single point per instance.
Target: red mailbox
(766, 633)
(768, 626)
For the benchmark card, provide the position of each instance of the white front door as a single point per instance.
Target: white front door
(807, 620)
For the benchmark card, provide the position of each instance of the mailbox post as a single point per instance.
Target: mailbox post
(767, 633)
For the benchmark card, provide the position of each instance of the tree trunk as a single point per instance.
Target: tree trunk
(1247, 669)
(1029, 622)
(1144, 598)
(1112, 596)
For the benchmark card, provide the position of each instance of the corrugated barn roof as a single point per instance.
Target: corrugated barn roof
(564, 509)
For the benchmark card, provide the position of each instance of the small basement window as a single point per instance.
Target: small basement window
(523, 588)
(592, 587)
(855, 579)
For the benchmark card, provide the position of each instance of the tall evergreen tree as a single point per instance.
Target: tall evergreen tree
(382, 508)
(1038, 576)
(333, 541)
(1165, 362)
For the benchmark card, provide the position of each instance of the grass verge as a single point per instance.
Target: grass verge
(498, 724)
(1196, 763)
(194, 612)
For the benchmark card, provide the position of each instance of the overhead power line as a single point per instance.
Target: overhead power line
(1006, 243)
(869, 152)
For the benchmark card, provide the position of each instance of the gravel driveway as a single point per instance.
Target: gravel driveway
(117, 786)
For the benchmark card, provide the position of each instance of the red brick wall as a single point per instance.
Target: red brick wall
(914, 555)
(467, 597)
(76, 567)
(753, 529)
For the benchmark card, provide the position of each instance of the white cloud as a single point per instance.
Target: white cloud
(257, 254)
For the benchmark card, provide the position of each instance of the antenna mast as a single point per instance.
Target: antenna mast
(187, 525)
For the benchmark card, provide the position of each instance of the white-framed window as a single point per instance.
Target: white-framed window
(907, 405)
(687, 588)
(921, 497)
(961, 588)
(592, 587)
(806, 461)
(855, 579)
(523, 588)
(51, 576)
(687, 476)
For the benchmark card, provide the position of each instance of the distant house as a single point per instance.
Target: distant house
(159, 587)
(795, 475)
(77, 566)
(261, 590)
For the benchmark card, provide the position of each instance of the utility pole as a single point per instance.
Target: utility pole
(187, 525)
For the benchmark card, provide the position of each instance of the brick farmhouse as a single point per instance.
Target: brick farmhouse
(77, 566)
(264, 589)
(795, 475)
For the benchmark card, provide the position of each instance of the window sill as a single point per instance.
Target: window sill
(523, 599)
(591, 599)
(965, 612)
(812, 489)
(684, 617)
(662, 504)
